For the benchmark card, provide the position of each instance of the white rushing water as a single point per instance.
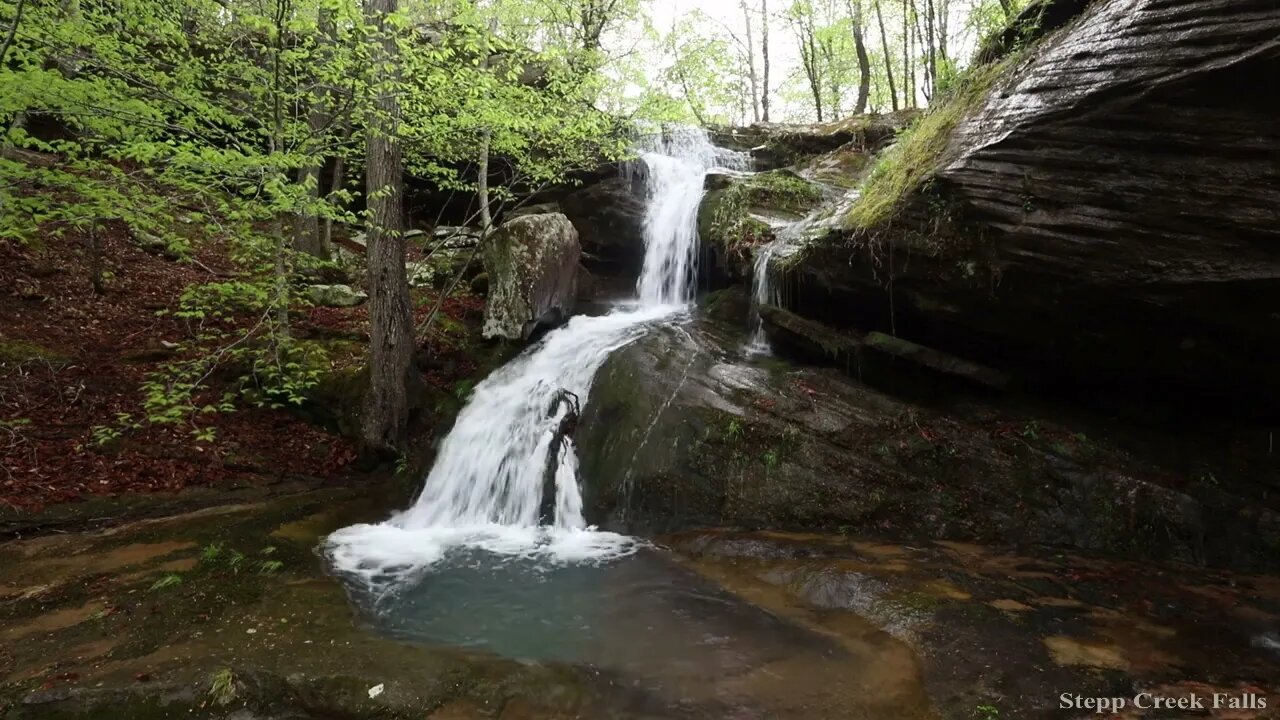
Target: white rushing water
(485, 489)
(762, 293)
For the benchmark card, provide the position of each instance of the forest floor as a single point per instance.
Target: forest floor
(72, 360)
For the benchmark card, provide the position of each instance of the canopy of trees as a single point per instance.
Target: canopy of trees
(266, 123)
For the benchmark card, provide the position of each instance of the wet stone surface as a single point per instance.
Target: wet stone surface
(1012, 631)
(227, 613)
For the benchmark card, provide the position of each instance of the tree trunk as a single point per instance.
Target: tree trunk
(751, 64)
(926, 87)
(864, 62)
(482, 184)
(13, 30)
(931, 36)
(307, 235)
(809, 60)
(281, 270)
(482, 172)
(337, 180)
(95, 258)
(384, 432)
(888, 57)
(764, 56)
(908, 71)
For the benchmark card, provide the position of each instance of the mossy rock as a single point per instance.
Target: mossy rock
(17, 352)
(733, 216)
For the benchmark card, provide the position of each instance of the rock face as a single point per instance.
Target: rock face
(777, 145)
(1115, 213)
(532, 268)
(609, 217)
(741, 212)
(675, 435)
(335, 295)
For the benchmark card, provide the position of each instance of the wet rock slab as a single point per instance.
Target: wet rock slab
(1011, 631)
(684, 429)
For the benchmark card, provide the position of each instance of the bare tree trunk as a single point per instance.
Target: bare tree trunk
(336, 182)
(926, 87)
(95, 258)
(281, 300)
(888, 57)
(764, 55)
(751, 64)
(943, 12)
(482, 184)
(864, 62)
(482, 180)
(384, 431)
(931, 36)
(13, 30)
(809, 60)
(908, 70)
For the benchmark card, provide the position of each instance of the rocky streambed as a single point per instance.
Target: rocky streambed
(228, 613)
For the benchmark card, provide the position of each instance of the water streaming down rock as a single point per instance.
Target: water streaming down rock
(790, 236)
(486, 487)
(762, 293)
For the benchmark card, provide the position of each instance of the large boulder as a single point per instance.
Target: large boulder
(341, 296)
(532, 267)
(609, 216)
(678, 434)
(1099, 214)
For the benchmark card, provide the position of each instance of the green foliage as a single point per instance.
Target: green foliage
(986, 712)
(210, 553)
(906, 166)
(222, 687)
(209, 121)
(217, 555)
(778, 192)
(167, 581)
(734, 432)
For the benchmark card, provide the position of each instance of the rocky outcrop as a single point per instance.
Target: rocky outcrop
(609, 216)
(1105, 220)
(777, 145)
(740, 212)
(531, 263)
(677, 434)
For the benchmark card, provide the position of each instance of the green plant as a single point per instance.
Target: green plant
(211, 552)
(168, 581)
(270, 567)
(734, 431)
(222, 686)
(463, 388)
(986, 712)
(1031, 430)
(771, 458)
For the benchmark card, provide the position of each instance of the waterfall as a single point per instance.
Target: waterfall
(762, 293)
(486, 487)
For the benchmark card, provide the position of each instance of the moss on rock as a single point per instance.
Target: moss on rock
(733, 216)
